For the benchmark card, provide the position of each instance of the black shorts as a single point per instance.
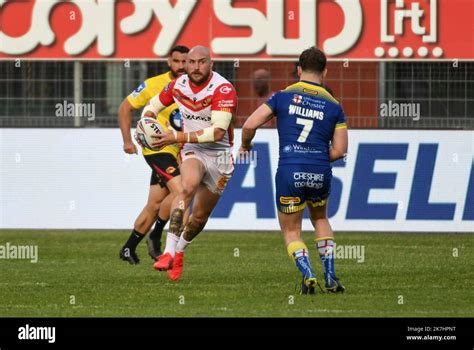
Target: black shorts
(164, 167)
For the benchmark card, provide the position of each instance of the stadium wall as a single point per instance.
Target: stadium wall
(392, 180)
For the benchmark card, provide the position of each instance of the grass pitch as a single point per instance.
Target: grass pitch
(246, 274)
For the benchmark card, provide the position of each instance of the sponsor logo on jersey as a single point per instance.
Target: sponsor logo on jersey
(308, 180)
(225, 103)
(181, 83)
(305, 112)
(290, 200)
(309, 184)
(196, 117)
(308, 176)
(139, 89)
(302, 149)
(297, 99)
(310, 91)
(175, 119)
(225, 89)
(313, 103)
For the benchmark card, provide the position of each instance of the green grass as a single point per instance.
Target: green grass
(261, 281)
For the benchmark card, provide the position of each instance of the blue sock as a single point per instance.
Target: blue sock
(303, 264)
(326, 254)
(298, 251)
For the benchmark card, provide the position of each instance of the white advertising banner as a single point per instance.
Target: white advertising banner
(392, 180)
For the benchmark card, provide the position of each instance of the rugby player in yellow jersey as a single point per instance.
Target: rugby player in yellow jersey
(165, 181)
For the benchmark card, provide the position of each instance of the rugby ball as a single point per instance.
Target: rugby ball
(147, 127)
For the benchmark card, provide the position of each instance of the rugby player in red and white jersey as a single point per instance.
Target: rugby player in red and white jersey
(207, 102)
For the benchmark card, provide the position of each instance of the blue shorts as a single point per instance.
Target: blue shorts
(300, 184)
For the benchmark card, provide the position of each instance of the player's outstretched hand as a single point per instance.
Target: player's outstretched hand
(130, 148)
(164, 139)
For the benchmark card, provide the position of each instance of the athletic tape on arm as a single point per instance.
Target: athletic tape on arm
(220, 120)
(155, 106)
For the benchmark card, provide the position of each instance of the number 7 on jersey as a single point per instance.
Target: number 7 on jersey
(307, 126)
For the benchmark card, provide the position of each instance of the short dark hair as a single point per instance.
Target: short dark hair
(312, 60)
(179, 48)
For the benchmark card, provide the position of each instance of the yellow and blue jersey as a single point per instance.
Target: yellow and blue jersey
(143, 94)
(307, 116)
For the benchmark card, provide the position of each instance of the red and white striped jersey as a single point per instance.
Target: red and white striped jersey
(196, 104)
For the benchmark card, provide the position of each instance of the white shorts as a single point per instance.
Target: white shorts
(219, 167)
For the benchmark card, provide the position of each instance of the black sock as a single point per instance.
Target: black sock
(158, 230)
(134, 239)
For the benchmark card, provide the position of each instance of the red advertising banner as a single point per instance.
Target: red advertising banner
(261, 29)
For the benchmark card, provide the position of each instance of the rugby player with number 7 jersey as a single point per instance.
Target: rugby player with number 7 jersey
(312, 132)
(207, 102)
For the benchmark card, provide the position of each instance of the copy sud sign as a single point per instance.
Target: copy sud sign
(144, 29)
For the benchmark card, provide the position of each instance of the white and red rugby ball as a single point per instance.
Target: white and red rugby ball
(147, 127)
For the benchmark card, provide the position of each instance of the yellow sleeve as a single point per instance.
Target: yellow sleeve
(141, 95)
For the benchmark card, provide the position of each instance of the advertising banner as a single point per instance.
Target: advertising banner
(264, 29)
